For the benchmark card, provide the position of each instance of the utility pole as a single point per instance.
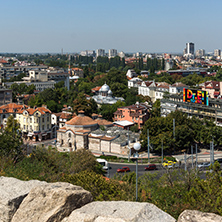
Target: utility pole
(174, 136)
(162, 152)
(192, 155)
(148, 145)
(128, 147)
(185, 161)
(196, 156)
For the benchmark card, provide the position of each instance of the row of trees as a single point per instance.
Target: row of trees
(188, 131)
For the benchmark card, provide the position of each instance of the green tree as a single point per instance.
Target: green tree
(11, 143)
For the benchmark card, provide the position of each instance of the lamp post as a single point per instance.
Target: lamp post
(136, 147)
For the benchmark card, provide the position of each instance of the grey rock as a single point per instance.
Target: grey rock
(12, 192)
(51, 202)
(198, 216)
(119, 211)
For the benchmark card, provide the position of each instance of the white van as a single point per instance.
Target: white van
(104, 163)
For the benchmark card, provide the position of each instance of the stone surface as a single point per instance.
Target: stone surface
(119, 211)
(51, 202)
(198, 216)
(12, 192)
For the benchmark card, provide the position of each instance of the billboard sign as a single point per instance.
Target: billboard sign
(195, 96)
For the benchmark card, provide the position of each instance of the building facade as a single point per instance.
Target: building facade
(175, 102)
(82, 132)
(112, 53)
(35, 123)
(100, 52)
(137, 113)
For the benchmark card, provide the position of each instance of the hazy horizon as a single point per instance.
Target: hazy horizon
(128, 26)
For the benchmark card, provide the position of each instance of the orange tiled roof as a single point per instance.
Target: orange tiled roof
(81, 120)
(103, 122)
(97, 88)
(65, 115)
(42, 110)
(13, 108)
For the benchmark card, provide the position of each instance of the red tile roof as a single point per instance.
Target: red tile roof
(12, 108)
(81, 120)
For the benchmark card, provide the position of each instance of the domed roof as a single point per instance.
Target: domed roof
(104, 88)
(110, 92)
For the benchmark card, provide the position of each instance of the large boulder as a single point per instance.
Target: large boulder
(51, 202)
(119, 211)
(12, 192)
(198, 216)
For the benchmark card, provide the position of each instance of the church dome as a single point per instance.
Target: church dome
(104, 88)
(110, 92)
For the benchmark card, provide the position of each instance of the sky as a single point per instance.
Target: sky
(31, 26)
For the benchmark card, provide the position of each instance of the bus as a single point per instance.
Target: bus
(104, 163)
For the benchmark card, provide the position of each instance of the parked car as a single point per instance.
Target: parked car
(219, 160)
(151, 167)
(203, 165)
(123, 169)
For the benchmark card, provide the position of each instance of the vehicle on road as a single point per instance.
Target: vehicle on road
(104, 163)
(150, 167)
(174, 165)
(169, 163)
(123, 169)
(203, 165)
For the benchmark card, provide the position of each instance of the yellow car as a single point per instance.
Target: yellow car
(169, 163)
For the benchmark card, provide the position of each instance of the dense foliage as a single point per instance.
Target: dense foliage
(173, 191)
(188, 131)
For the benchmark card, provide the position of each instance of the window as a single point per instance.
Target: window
(30, 120)
(24, 127)
(69, 135)
(24, 120)
(43, 127)
(47, 126)
(48, 118)
(43, 119)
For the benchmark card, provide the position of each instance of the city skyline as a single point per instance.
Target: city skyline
(128, 26)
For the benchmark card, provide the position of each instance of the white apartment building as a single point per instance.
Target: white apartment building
(134, 82)
(112, 53)
(100, 52)
(121, 54)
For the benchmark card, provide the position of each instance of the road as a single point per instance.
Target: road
(141, 171)
(160, 170)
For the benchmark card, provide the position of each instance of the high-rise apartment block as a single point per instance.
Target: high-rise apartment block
(112, 53)
(189, 50)
(200, 53)
(88, 53)
(121, 54)
(100, 52)
(217, 52)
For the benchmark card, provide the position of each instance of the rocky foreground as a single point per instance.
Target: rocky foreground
(38, 201)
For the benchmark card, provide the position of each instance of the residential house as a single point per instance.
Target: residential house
(177, 88)
(10, 109)
(35, 123)
(214, 88)
(77, 72)
(136, 114)
(134, 82)
(131, 73)
(147, 88)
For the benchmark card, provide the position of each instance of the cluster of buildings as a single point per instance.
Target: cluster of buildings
(73, 131)
(101, 52)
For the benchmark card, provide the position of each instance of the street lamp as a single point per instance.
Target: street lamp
(136, 147)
